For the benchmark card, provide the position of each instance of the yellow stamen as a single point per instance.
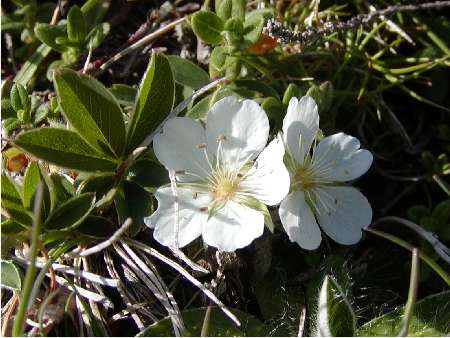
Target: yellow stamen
(303, 179)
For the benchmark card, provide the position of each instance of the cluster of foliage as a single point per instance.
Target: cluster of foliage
(79, 171)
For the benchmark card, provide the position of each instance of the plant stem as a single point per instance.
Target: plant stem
(19, 322)
(140, 43)
(206, 321)
(431, 263)
(412, 294)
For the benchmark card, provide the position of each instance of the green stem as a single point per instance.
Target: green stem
(19, 322)
(444, 186)
(412, 294)
(431, 263)
(206, 321)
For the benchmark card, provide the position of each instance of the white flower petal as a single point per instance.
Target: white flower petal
(177, 147)
(268, 180)
(300, 126)
(244, 126)
(342, 212)
(338, 158)
(190, 218)
(299, 222)
(234, 226)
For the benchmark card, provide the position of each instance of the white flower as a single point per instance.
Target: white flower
(318, 172)
(220, 189)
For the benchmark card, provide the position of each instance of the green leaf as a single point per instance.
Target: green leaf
(291, 91)
(133, 201)
(187, 73)
(217, 61)
(227, 9)
(208, 27)
(94, 11)
(11, 227)
(219, 325)
(49, 33)
(29, 68)
(99, 184)
(11, 124)
(60, 189)
(10, 276)
(71, 213)
(441, 213)
(8, 110)
(335, 315)
(96, 227)
(98, 34)
(254, 23)
(92, 110)
(148, 174)
(64, 148)
(274, 110)
(12, 202)
(30, 184)
(154, 101)
(430, 319)
(201, 108)
(125, 95)
(76, 27)
(19, 98)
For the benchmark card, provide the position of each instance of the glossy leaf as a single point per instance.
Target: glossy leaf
(208, 27)
(91, 110)
(10, 276)
(70, 213)
(64, 148)
(154, 101)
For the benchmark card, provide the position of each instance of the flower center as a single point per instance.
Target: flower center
(303, 179)
(225, 187)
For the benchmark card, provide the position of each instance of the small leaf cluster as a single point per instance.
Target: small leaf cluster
(71, 37)
(231, 30)
(21, 110)
(25, 17)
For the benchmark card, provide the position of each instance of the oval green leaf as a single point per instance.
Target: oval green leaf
(12, 202)
(187, 73)
(70, 213)
(64, 148)
(10, 276)
(208, 27)
(154, 101)
(92, 110)
(76, 27)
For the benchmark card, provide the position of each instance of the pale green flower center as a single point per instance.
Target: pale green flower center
(224, 187)
(303, 179)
